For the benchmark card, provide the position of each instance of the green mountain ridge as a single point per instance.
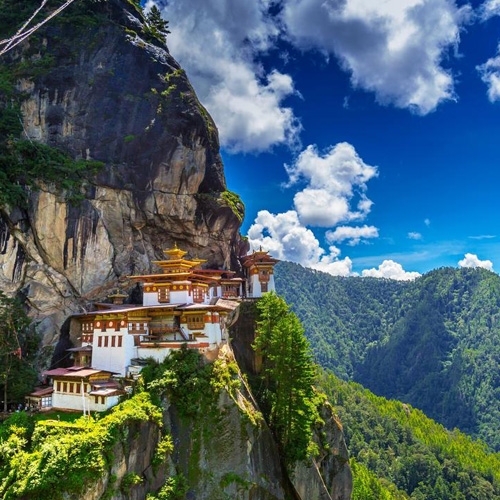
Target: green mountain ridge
(433, 343)
(399, 453)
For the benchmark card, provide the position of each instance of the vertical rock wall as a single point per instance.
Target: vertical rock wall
(111, 92)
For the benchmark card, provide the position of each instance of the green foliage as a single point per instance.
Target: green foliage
(234, 202)
(175, 488)
(163, 450)
(130, 480)
(397, 448)
(15, 422)
(367, 486)
(24, 164)
(63, 457)
(288, 372)
(18, 347)
(232, 478)
(156, 26)
(185, 379)
(433, 342)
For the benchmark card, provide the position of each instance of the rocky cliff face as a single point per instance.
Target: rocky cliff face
(97, 84)
(326, 476)
(229, 453)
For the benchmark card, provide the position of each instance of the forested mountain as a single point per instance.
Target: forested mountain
(433, 343)
(399, 453)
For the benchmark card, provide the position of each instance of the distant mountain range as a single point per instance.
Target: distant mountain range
(433, 343)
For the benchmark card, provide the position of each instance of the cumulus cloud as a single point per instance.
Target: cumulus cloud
(472, 260)
(287, 239)
(393, 48)
(332, 189)
(414, 236)
(427, 222)
(218, 47)
(352, 235)
(334, 180)
(392, 270)
(490, 75)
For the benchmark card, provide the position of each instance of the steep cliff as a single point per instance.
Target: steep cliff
(192, 429)
(98, 84)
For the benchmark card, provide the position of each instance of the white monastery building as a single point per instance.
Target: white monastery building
(183, 304)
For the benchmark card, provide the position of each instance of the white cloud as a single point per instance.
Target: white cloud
(333, 180)
(490, 74)
(471, 260)
(393, 48)
(335, 191)
(489, 9)
(483, 237)
(353, 235)
(427, 222)
(332, 265)
(287, 239)
(414, 236)
(392, 270)
(217, 45)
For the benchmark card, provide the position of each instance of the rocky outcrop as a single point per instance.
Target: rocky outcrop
(228, 452)
(133, 455)
(109, 91)
(326, 476)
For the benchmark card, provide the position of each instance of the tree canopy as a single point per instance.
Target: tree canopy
(288, 374)
(399, 453)
(433, 342)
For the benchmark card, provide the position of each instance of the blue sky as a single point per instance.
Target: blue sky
(362, 136)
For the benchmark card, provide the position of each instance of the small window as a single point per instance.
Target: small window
(71, 386)
(113, 341)
(99, 341)
(106, 341)
(198, 294)
(65, 387)
(58, 386)
(120, 338)
(195, 321)
(103, 400)
(163, 295)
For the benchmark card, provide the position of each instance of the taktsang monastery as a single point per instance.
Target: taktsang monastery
(183, 304)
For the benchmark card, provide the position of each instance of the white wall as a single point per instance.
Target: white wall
(157, 353)
(150, 299)
(114, 359)
(68, 401)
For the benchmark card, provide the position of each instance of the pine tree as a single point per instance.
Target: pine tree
(157, 25)
(288, 372)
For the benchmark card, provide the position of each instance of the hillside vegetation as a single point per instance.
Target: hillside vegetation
(433, 343)
(397, 452)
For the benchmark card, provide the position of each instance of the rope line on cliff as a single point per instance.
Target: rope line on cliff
(21, 34)
(21, 29)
